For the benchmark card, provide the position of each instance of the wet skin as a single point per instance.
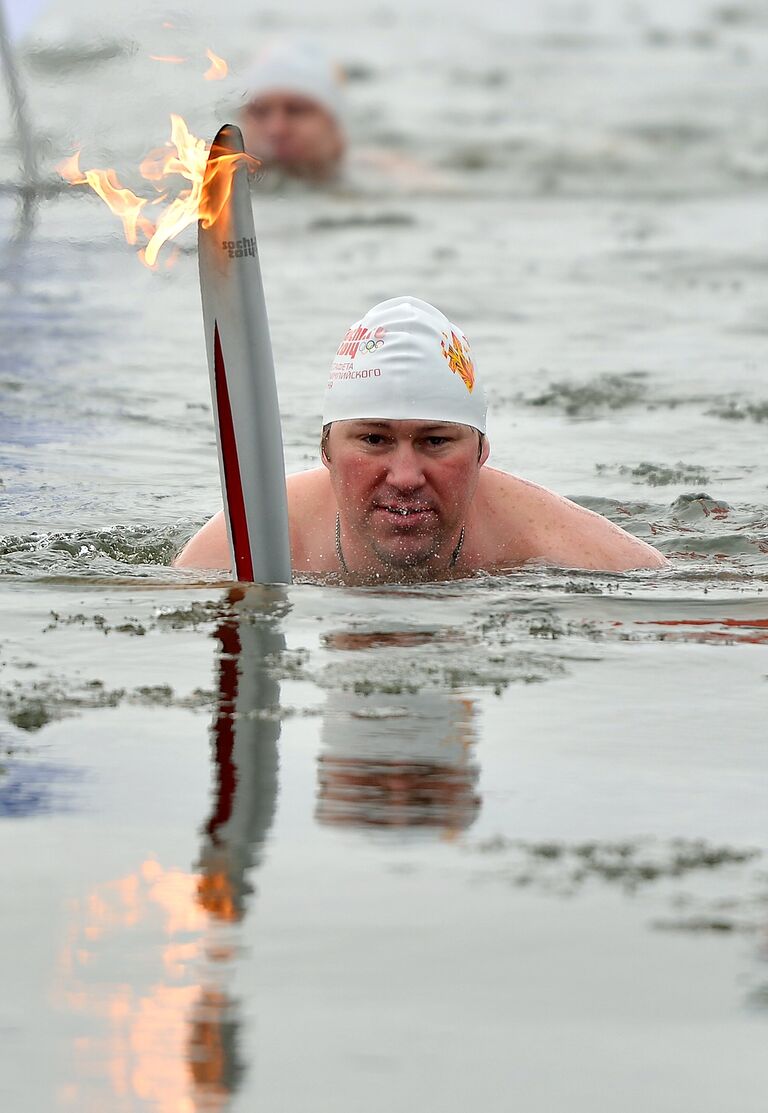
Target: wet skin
(294, 133)
(403, 489)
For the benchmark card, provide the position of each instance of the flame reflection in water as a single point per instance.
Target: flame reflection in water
(166, 1039)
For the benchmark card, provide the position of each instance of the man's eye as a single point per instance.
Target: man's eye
(373, 439)
(437, 442)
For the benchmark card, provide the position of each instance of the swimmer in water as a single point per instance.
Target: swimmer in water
(403, 493)
(292, 119)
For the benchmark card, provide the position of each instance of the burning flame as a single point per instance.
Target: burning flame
(185, 155)
(123, 202)
(218, 68)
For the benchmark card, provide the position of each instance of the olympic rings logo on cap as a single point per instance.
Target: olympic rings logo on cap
(360, 338)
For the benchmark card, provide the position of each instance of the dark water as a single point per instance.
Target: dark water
(493, 842)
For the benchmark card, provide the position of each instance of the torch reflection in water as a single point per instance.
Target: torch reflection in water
(171, 1045)
(397, 760)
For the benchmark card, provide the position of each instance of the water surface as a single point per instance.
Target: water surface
(499, 841)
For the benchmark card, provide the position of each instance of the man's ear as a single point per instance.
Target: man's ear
(324, 445)
(485, 451)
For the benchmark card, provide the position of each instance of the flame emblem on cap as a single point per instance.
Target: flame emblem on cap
(458, 359)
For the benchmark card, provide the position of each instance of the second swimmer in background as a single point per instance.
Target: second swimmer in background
(292, 118)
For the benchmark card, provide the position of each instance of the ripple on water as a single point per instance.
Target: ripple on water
(695, 528)
(635, 865)
(593, 398)
(658, 475)
(137, 551)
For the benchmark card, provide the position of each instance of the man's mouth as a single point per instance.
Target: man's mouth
(411, 515)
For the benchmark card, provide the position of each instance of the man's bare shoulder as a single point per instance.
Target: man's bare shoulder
(499, 486)
(305, 486)
(528, 522)
(309, 501)
(312, 517)
(208, 548)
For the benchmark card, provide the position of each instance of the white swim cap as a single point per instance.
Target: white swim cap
(296, 66)
(404, 361)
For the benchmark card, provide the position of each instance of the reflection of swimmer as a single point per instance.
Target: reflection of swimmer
(403, 760)
(398, 761)
(404, 493)
(292, 117)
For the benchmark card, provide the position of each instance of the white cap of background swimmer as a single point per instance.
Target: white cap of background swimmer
(297, 66)
(404, 360)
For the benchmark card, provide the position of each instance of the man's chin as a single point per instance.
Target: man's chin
(402, 557)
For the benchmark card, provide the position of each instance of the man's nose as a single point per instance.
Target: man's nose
(405, 469)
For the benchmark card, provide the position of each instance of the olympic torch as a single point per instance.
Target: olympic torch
(242, 373)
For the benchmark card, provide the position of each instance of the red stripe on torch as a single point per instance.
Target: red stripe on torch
(235, 499)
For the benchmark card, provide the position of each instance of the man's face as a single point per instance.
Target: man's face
(293, 132)
(403, 489)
